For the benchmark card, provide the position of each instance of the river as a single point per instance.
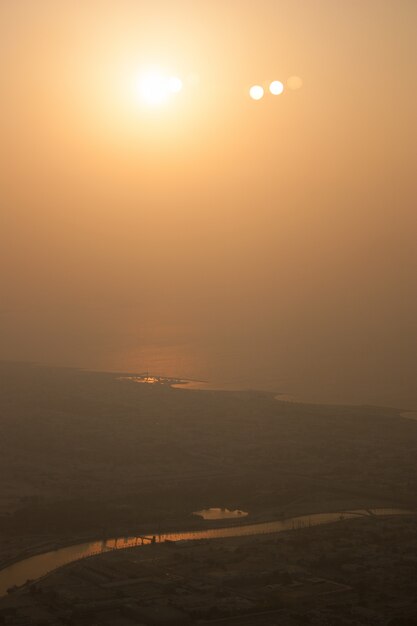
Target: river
(38, 566)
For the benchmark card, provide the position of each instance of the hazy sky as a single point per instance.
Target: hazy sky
(268, 243)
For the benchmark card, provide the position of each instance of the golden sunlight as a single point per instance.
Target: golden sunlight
(154, 88)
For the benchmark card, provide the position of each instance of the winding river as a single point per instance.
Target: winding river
(38, 566)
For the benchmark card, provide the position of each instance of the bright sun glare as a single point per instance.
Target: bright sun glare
(256, 92)
(276, 87)
(154, 87)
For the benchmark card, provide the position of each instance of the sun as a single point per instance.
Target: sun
(154, 88)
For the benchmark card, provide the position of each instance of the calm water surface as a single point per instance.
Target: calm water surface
(37, 566)
(220, 514)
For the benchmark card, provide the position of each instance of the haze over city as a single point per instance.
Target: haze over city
(208, 304)
(262, 244)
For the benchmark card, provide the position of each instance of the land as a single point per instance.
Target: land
(357, 572)
(89, 455)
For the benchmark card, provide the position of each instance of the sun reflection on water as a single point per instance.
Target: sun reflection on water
(147, 379)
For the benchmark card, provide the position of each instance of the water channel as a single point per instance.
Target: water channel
(214, 514)
(38, 566)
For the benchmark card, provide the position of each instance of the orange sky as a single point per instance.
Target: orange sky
(214, 236)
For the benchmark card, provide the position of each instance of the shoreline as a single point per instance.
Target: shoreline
(204, 385)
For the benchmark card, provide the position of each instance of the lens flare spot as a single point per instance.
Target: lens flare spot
(294, 82)
(256, 92)
(276, 87)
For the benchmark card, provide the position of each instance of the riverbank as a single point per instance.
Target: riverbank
(38, 566)
(28, 546)
(350, 572)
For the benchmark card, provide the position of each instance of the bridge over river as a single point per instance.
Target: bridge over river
(38, 566)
